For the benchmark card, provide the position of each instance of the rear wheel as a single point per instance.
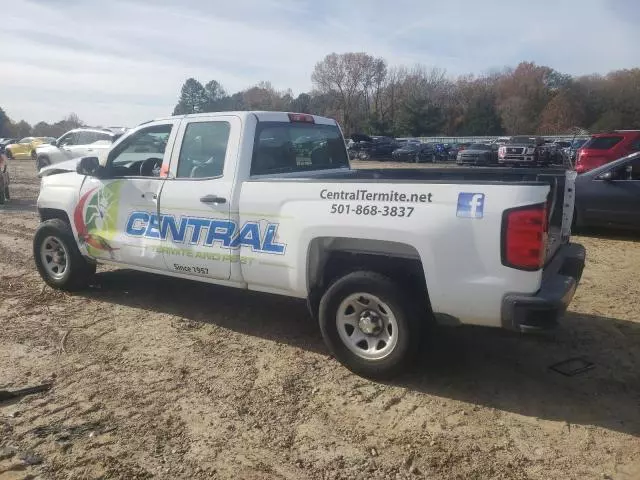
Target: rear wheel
(33, 155)
(369, 325)
(57, 257)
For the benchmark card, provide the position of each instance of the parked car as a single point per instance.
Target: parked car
(25, 148)
(478, 154)
(377, 253)
(453, 150)
(609, 195)
(606, 147)
(75, 143)
(4, 177)
(415, 152)
(555, 149)
(372, 147)
(521, 150)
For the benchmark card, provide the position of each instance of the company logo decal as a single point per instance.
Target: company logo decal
(206, 231)
(95, 218)
(470, 205)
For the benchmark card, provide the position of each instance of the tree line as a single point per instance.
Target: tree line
(21, 129)
(366, 95)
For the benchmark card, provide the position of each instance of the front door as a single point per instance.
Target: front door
(195, 204)
(116, 218)
(616, 200)
(67, 144)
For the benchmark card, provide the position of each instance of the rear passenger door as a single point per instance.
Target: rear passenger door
(198, 217)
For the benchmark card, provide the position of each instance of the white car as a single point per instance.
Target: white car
(236, 199)
(76, 143)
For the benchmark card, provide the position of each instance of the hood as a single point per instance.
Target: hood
(60, 167)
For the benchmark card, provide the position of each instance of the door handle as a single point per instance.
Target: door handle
(212, 199)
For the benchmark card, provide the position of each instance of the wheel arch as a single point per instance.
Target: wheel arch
(51, 213)
(329, 258)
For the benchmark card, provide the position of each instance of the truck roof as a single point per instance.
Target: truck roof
(262, 116)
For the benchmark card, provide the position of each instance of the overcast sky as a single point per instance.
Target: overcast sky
(121, 62)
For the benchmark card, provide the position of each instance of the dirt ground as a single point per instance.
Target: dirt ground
(163, 378)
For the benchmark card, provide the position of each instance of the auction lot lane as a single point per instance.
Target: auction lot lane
(162, 378)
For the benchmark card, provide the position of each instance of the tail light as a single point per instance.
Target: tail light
(580, 166)
(524, 237)
(301, 117)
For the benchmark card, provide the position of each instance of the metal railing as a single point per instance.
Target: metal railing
(485, 139)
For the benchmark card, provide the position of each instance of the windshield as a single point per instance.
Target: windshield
(292, 147)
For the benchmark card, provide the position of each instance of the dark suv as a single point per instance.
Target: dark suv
(606, 147)
(367, 147)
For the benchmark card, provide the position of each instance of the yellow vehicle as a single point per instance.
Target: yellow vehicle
(25, 148)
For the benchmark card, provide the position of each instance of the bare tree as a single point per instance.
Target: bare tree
(350, 77)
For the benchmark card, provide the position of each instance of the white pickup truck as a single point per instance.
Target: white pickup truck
(267, 201)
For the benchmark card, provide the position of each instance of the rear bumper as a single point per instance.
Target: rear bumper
(542, 310)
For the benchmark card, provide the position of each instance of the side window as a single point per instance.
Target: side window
(629, 171)
(84, 138)
(203, 149)
(102, 136)
(141, 154)
(68, 140)
(635, 146)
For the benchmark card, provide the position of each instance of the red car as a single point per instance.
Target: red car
(606, 147)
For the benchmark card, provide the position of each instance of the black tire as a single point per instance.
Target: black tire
(78, 272)
(42, 162)
(408, 321)
(33, 155)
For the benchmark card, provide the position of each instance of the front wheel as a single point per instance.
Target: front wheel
(57, 257)
(42, 162)
(368, 324)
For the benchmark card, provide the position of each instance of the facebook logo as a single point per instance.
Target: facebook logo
(470, 205)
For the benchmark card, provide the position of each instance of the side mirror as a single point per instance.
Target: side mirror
(607, 176)
(89, 166)
(54, 143)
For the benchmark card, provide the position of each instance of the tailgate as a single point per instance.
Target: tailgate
(561, 203)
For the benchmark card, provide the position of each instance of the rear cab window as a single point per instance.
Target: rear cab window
(282, 147)
(602, 143)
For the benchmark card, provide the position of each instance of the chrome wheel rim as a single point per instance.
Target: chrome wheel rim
(55, 257)
(367, 326)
